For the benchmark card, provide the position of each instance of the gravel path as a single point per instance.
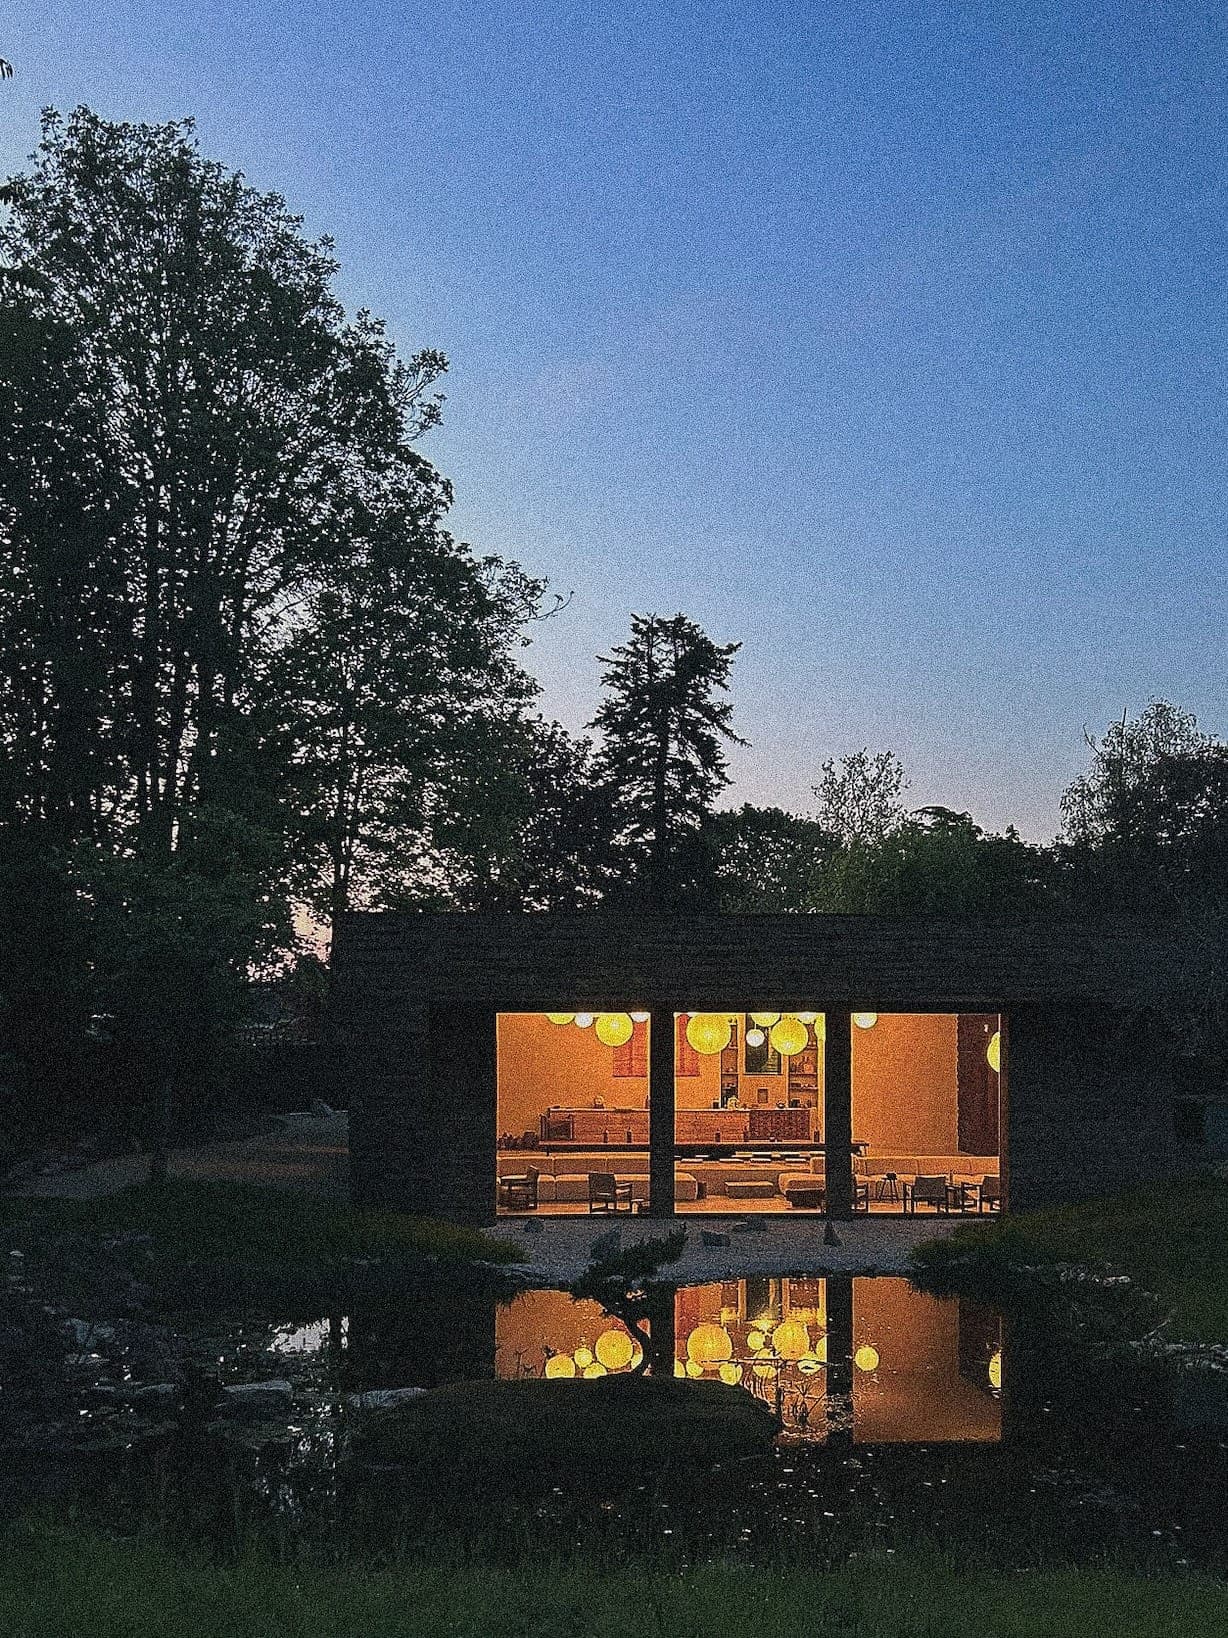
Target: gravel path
(869, 1245)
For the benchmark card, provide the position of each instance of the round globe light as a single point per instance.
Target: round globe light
(788, 1036)
(806, 1017)
(694, 1368)
(560, 1017)
(766, 1019)
(584, 1019)
(614, 1350)
(995, 1369)
(755, 1037)
(639, 1017)
(560, 1365)
(708, 1032)
(791, 1339)
(595, 1369)
(730, 1373)
(865, 1020)
(755, 1340)
(866, 1357)
(709, 1344)
(584, 1357)
(993, 1052)
(614, 1029)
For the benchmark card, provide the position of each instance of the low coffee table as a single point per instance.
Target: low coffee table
(748, 1189)
(807, 1198)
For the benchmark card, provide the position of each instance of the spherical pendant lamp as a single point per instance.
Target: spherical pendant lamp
(788, 1036)
(708, 1032)
(791, 1339)
(730, 1373)
(765, 1019)
(866, 1357)
(614, 1350)
(755, 1037)
(614, 1029)
(583, 1020)
(709, 1344)
(560, 1017)
(993, 1052)
(865, 1020)
(560, 1365)
(995, 1369)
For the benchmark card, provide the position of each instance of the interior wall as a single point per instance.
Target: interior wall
(541, 1063)
(904, 1083)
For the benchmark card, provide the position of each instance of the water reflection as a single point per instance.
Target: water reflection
(871, 1360)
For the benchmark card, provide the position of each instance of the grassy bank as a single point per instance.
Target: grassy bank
(210, 1235)
(57, 1581)
(1170, 1238)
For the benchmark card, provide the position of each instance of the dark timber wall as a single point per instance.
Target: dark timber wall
(1086, 1087)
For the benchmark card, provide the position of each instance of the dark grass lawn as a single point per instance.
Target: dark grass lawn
(224, 1224)
(59, 1581)
(1171, 1238)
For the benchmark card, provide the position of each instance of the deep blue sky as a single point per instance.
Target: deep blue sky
(891, 343)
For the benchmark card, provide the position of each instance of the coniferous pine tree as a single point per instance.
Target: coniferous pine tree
(665, 727)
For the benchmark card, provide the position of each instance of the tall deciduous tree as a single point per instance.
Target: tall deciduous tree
(859, 796)
(664, 727)
(237, 643)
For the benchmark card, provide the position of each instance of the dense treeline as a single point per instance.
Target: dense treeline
(247, 674)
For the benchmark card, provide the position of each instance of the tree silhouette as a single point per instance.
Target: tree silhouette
(664, 728)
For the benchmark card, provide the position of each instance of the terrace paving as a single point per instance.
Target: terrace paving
(778, 1245)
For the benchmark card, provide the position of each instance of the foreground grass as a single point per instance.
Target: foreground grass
(270, 1231)
(1171, 1238)
(56, 1581)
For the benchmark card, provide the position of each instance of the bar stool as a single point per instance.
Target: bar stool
(888, 1187)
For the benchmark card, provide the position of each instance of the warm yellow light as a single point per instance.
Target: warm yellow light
(560, 1365)
(693, 1368)
(614, 1350)
(764, 1019)
(637, 1354)
(755, 1037)
(791, 1339)
(865, 1020)
(560, 1017)
(765, 1370)
(709, 1345)
(584, 1356)
(639, 1017)
(788, 1036)
(755, 1340)
(809, 1363)
(866, 1358)
(993, 1051)
(614, 1028)
(806, 1017)
(820, 1027)
(995, 1369)
(731, 1373)
(595, 1369)
(679, 1368)
(708, 1032)
(584, 1019)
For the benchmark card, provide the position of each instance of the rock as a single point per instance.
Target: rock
(87, 1335)
(155, 1393)
(711, 1237)
(533, 1225)
(257, 1398)
(382, 1399)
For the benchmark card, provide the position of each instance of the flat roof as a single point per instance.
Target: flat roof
(598, 960)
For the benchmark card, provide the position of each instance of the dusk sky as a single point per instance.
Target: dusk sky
(888, 340)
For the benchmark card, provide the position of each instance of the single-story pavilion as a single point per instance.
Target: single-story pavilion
(503, 1063)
